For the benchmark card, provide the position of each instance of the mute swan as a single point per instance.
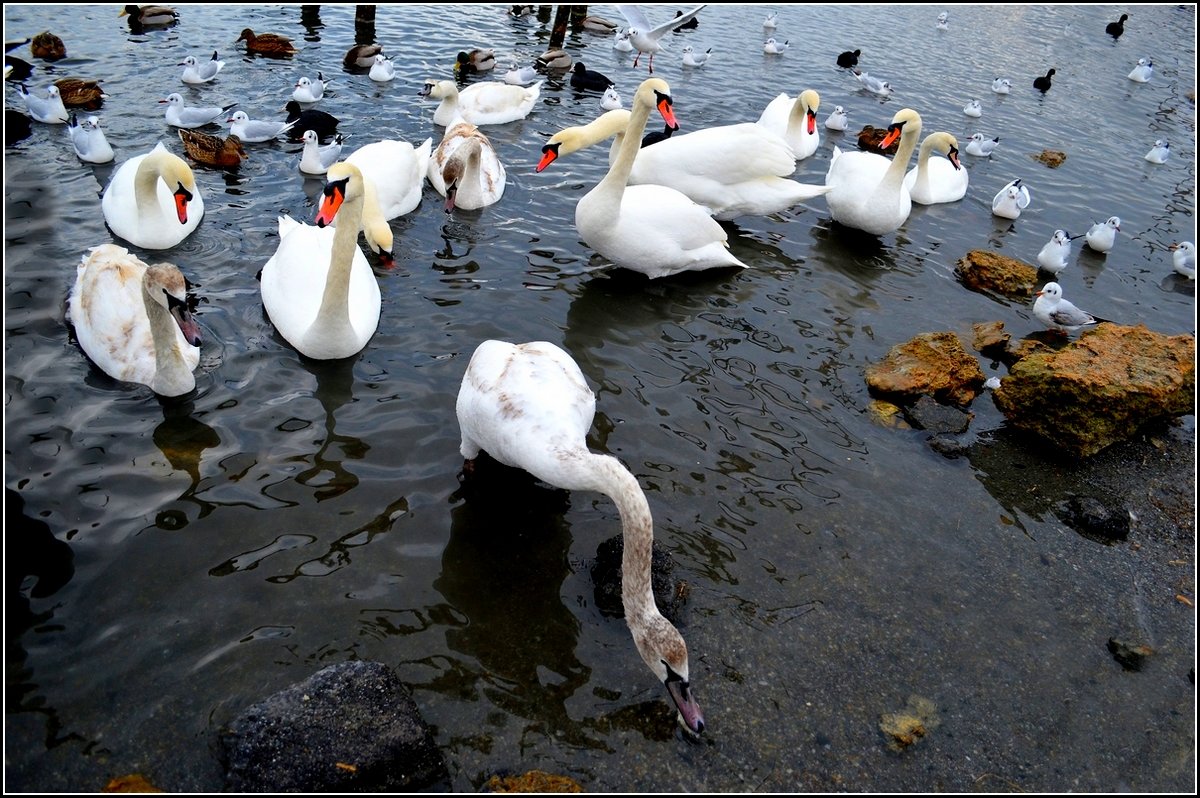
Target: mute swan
(132, 320)
(382, 70)
(584, 78)
(272, 44)
(309, 90)
(316, 159)
(529, 407)
(1103, 235)
(89, 141)
(1042, 84)
(520, 76)
(1143, 71)
(772, 47)
(936, 180)
(1057, 313)
(479, 174)
(649, 228)
(691, 58)
(196, 71)
(152, 200)
(1053, 257)
(1001, 85)
(795, 121)
(1011, 200)
(732, 170)
(318, 289)
(611, 100)
(837, 119)
(1159, 152)
(974, 108)
(1115, 29)
(645, 37)
(848, 59)
(491, 103)
(180, 115)
(981, 145)
(255, 131)
(868, 190)
(49, 109)
(1184, 259)
(397, 170)
(873, 84)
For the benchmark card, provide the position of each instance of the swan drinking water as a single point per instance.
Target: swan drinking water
(528, 406)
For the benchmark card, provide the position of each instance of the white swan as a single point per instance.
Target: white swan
(837, 119)
(1184, 259)
(132, 320)
(489, 103)
(152, 200)
(936, 180)
(1011, 200)
(318, 289)
(868, 189)
(1102, 237)
(649, 228)
(732, 170)
(465, 168)
(396, 170)
(529, 407)
(795, 121)
(1159, 152)
(382, 70)
(89, 141)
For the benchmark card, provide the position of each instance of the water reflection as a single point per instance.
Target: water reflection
(328, 475)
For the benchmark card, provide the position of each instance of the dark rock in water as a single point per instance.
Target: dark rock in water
(1132, 656)
(669, 594)
(932, 364)
(987, 272)
(1102, 388)
(1093, 518)
(352, 727)
(990, 339)
(927, 414)
(948, 446)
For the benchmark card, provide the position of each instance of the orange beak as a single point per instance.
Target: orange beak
(549, 155)
(332, 198)
(182, 198)
(664, 108)
(892, 134)
(953, 156)
(812, 123)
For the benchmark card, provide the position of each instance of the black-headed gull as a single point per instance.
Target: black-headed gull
(253, 130)
(1002, 85)
(981, 145)
(180, 115)
(943, 21)
(1057, 313)
(769, 22)
(309, 90)
(383, 69)
(88, 140)
(1103, 235)
(48, 109)
(316, 159)
(645, 37)
(772, 47)
(611, 100)
(1011, 200)
(873, 84)
(837, 120)
(621, 43)
(1053, 257)
(1184, 258)
(196, 71)
(1159, 152)
(691, 58)
(1142, 72)
(973, 108)
(521, 76)
(1042, 83)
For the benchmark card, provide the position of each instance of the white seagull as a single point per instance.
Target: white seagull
(1103, 235)
(521, 76)
(1159, 152)
(1002, 85)
(1142, 72)
(1053, 257)
(621, 43)
(382, 70)
(196, 71)
(973, 108)
(692, 58)
(981, 145)
(317, 158)
(872, 84)
(769, 22)
(644, 37)
(772, 47)
(180, 115)
(310, 90)
(1057, 313)
(611, 99)
(1185, 259)
(1011, 200)
(88, 140)
(49, 109)
(837, 120)
(252, 130)
(943, 21)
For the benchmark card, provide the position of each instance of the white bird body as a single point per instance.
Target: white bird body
(974, 109)
(1053, 257)
(382, 70)
(152, 200)
(645, 37)
(1184, 259)
(48, 109)
(318, 289)
(131, 320)
(311, 90)
(621, 43)
(691, 58)
(465, 168)
(529, 407)
(1159, 152)
(649, 228)
(196, 71)
(316, 157)
(611, 100)
(1142, 72)
(943, 21)
(873, 84)
(1001, 85)
(256, 131)
(982, 146)
(1057, 313)
(937, 180)
(795, 121)
(868, 189)
(89, 141)
(180, 115)
(1011, 200)
(1103, 235)
(521, 76)
(396, 170)
(772, 47)
(838, 119)
(488, 103)
(769, 22)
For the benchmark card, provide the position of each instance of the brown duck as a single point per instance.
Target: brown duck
(226, 153)
(149, 16)
(869, 139)
(48, 47)
(267, 43)
(361, 56)
(80, 93)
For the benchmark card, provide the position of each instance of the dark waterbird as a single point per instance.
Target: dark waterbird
(1042, 84)
(584, 78)
(1115, 29)
(323, 124)
(848, 59)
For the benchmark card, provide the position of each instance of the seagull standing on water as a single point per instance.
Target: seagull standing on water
(645, 37)
(1011, 200)
(88, 140)
(873, 84)
(180, 115)
(252, 130)
(1159, 152)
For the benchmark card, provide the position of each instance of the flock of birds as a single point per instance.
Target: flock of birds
(656, 211)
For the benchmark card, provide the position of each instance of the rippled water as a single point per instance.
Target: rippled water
(198, 555)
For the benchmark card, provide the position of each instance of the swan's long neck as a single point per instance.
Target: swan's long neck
(145, 188)
(613, 185)
(894, 177)
(172, 376)
(797, 124)
(334, 315)
(923, 163)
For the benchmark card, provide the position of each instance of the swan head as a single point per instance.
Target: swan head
(438, 89)
(656, 93)
(663, 650)
(810, 101)
(905, 124)
(947, 145)
(164, 284)
(343, 182)
(175, 172)
(455, 168)
(573, 139)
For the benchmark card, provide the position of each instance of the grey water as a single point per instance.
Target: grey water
(176, 561)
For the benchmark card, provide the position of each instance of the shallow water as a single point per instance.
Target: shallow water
(201, 554)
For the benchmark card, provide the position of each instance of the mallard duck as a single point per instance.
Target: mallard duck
(267, 43)
(80, 93)
(48, 47)
(149, 16)
(225, 153)
(871, 138)
(553, 59)
(599, 24)
(475, 61)
(362, 56)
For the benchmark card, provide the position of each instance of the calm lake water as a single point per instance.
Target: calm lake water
(180, 560)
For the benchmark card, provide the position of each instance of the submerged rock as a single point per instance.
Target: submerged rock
(985, 271)
(1102, 388)
(1132, 656)
(990, 339)
(1052, 158)
(670, 594)
(352, 727)
(927, 414)
(534, 781)
(931, 364)
(1092, 518)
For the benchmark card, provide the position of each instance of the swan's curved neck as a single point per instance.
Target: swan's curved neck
(908, 142)
(923, 162)
(172, 376)
(797, 124)
(145, 187)
(333, 318)
(613, 184)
